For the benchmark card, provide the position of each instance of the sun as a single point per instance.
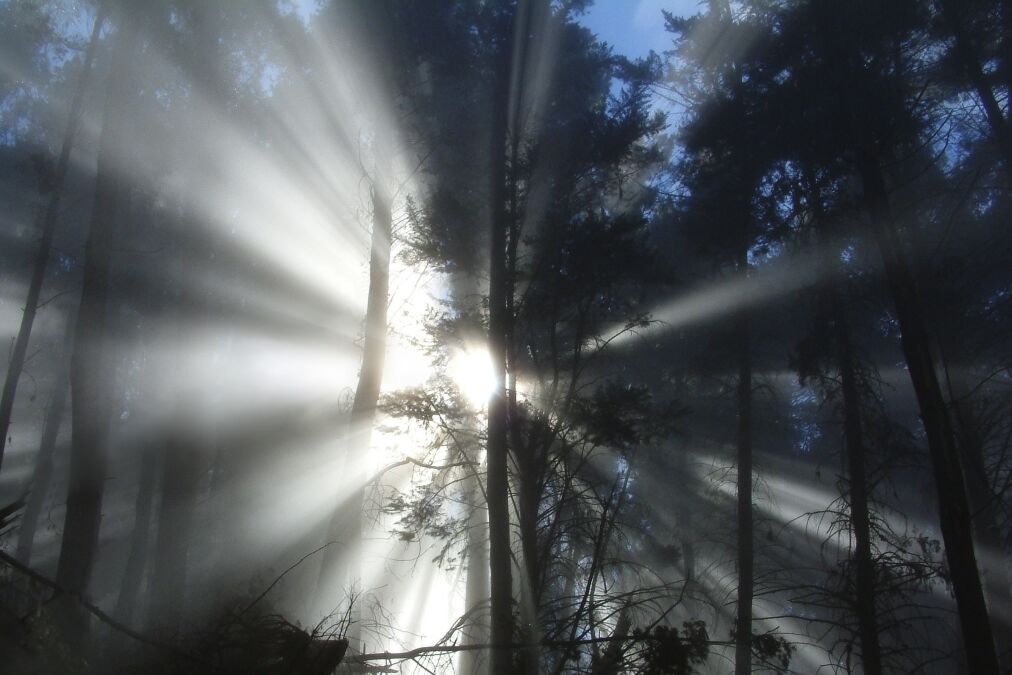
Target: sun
(472, 373)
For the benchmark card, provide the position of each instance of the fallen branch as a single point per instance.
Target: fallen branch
(452, 649)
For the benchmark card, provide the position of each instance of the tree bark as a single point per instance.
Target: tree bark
(970, 62)
(954, 511)
(91, 367)
(187, 448)
(855, 456)
(43, 474)
(743, 622)
(340, 563)
(683, 515)
(531, 19)
(871, 653)
(182, 463)
(985, 519)
(49, 218)
(497, 482)
(133, 575)
(476, 591)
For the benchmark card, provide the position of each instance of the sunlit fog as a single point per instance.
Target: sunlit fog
(502, 337)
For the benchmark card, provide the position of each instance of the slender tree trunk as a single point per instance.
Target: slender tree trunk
(954, 514)
(133, 575)
(856, 453)
(743, 623)
(528, 501)
(683, 508)
(502, 404)
(341, 564)
(49, 218)
(497, 482)
(527, 517)
(871, 653)
(185, 455)
(91, 367)
(985, 519)
(954, 510)
(531, 18)
(43, 474)
(970, 62)
(683, 515)
(181, 470)
(183, 461)
(476, 592)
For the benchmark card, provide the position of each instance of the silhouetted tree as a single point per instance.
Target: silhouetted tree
(48, 222)
(91, 369)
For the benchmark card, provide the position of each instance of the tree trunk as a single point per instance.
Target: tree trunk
(531, 19)
(181, 470)
(341, 563)
(187, 448)
(49, 217)
(133, 575)
(683, 512)
(528, 501)
(743, 623)
(92, 369)
(968, 59)
(43, 473)
(497, 482)
(855, 455)
(985, 519)
(476, 592)
(953, 505)
(871, 653)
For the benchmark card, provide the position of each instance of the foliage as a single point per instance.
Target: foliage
(670, 652)
(649, 204)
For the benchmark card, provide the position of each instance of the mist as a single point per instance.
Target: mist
(505, 336)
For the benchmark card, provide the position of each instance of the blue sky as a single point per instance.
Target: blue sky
(634, 27)
(631, 27)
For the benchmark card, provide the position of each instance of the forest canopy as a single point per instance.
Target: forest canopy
(506, 336)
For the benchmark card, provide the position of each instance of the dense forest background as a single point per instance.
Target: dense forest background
(429, 336)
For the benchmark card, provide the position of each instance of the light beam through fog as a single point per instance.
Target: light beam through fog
(768, 282)
(411, 336)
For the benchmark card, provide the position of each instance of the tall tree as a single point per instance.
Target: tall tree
(722, 170)
(140, 536)
(967, 55)
(339, 563)
(91, 368)
(50, 217)
(497, 481)
(42, 474)
(856, 461)
(378, 24)
(185, 450)
(871, 127)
